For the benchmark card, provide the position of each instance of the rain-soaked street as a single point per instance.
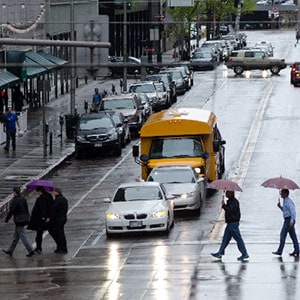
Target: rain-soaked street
(259, 117)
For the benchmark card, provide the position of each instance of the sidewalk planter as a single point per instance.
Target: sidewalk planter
(71, 122)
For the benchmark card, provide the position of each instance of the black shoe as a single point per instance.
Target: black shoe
(296, 254)
(38, 250)
(9, 253)
(30, 254)
(61, 251)
(5, 149)
(276, 253)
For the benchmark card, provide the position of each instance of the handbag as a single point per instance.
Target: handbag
(22, 218)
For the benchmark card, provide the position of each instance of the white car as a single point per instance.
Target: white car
(138, 207)
(183, 183)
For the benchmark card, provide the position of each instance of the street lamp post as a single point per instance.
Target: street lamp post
(72, 51)
(125, 54)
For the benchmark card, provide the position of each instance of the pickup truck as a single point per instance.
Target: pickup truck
(254, 59)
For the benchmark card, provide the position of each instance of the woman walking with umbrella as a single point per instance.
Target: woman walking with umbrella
(232, 218)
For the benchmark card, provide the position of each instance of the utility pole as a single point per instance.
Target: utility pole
(239, 4)
(72, 51)
(125, 54)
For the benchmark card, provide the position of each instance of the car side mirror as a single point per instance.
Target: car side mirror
(205, 155)
(135, 150)
(144, 158)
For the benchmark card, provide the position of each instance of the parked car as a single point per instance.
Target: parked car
(203, 60)
(295, 74)
(139, 207)
(164, 97)
(121, 123)
(148, 110)
(130, 106)
(116, 65)
(148, 88)
(97, 132)
(167, 79)
(242, 60)
(187, 73)
(178, 78)
(182, 183)
(232, 39)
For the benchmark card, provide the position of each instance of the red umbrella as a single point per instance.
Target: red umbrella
(280, 183)
(225, 185)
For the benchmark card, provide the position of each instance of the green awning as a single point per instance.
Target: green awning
(33, 69)
(41, 60)
(56, 60)
(7, 79)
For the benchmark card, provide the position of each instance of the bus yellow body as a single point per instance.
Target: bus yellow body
(182, 136)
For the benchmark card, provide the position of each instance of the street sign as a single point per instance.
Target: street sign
(275, 10)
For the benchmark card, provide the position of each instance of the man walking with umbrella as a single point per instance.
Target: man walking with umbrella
(232, 218)
(289, 215)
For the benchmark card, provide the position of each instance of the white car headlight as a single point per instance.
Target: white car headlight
(187, 195)
(113, 216)
(80, 138)
(158, 214)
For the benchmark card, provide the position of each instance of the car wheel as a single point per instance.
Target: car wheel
(167, 231)
(275, 69)
(238, 70)
(128, 140)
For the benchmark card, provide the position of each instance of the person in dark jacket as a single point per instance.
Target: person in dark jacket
(58, 219)
(39, 214)
(232, 218)
(19, 210)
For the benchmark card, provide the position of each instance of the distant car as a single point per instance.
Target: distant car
(130, 106)
(167, 79)
(295, 74)
(183, 183)
(178, 78)
(147, 87)
(145, 100)
(266, 45)
(139, 207)
(97, 132)
(232, 39)
(164, 97)
(116, 65)
(203, 61)
(121, 123)
(187, 73)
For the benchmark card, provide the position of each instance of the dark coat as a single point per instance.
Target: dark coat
(18, 206)
(232, 210)
(60, 209)
(41, 211)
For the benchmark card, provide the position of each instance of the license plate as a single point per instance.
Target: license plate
(98, 145)
(135, 224)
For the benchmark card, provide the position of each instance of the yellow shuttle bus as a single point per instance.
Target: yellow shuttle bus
(182, 136)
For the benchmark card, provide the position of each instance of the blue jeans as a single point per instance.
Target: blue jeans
(286, 228)
(20, 234)
(232, 231)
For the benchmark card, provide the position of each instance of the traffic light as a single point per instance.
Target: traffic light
(128, 4)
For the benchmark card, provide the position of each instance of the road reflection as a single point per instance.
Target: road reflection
(289, 272)
(114, 270)
(234, 279)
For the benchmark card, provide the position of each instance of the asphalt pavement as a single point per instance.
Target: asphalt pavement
(32, 160)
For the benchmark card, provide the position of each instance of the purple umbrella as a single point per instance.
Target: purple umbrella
(47, 184)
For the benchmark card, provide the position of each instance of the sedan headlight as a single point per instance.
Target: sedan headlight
(158, 214)
(113, 216)
(113, 135)
(80, 138)
(188, 195)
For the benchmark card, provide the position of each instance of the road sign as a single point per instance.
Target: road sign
(275, 10)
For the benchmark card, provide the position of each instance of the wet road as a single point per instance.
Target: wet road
(256, 116)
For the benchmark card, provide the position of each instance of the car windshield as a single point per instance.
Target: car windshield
(201, 55)
(138, 193)
(143, 88)
(118, 104)
(159, 87)
(95, 123)
(175, 147)
(177, 74)
(171, 175)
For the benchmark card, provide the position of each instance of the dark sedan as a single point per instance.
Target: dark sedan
(203, 61)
